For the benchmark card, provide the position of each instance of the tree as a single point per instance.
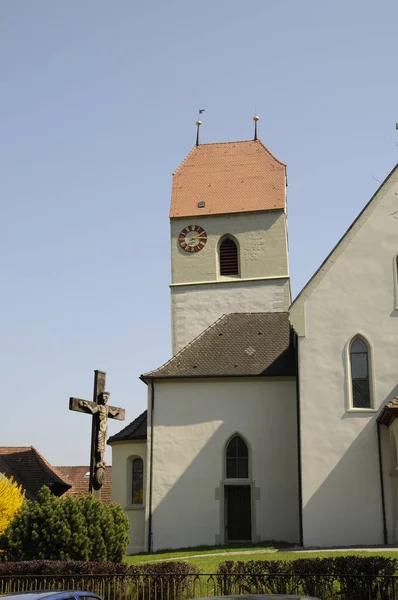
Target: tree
(52, 528)
(11, 500)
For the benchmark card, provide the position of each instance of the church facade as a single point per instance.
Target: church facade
(273, 420)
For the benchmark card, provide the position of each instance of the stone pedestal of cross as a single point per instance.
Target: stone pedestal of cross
(100, 412)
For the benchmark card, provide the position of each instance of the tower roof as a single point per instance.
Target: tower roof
(228, 177)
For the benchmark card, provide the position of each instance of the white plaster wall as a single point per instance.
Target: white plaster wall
(121, 490)
(341, 481)
(261, 237)
(194, 308)
(192, 422)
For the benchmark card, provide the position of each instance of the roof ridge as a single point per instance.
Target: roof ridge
(271, 154)
(259, 142)
(48, 467)
(87, 467)
(137, 422)
(318, 274)
(16, 447)
(184, 160)
(186, 346)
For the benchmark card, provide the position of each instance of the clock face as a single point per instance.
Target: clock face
(192, 238)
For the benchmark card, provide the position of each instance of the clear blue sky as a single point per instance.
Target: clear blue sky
(98, 105)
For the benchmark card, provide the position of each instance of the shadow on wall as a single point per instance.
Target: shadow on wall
(346, 508)
(191, 510)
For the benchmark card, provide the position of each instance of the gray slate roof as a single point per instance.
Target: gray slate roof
(136, 430)
(237, 345)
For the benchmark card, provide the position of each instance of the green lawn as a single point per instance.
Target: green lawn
(209, 564)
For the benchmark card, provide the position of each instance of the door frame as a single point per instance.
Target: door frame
(223, 521)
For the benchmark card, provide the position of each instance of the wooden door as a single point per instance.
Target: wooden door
(238, 522)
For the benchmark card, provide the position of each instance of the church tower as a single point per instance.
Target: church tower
(229, 250)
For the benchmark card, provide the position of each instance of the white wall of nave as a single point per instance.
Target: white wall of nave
(355, 294)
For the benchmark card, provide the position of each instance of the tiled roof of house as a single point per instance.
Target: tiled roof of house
(77, 477)
(238, 344)
(136, 430)
(229, 177)
(30, 469)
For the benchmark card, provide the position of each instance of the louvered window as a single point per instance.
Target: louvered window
(228, 258)
(359, 358)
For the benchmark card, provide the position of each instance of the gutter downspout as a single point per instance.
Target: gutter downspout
(300, 478)
(383, 504)
(150, 536)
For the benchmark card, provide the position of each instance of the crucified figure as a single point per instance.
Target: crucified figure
(100, 412)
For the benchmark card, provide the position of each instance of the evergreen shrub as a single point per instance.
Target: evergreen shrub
(79, 529)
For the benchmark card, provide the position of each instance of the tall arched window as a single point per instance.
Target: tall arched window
(396, 280)
(237, 457)
(137, 481)
(228, 257)
(359, 360)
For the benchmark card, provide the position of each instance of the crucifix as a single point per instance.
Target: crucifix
(100, 412)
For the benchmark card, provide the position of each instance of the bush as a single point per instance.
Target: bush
(11, 501)
(157, 581)
(169, 580)
(52, 528)
(352, 577)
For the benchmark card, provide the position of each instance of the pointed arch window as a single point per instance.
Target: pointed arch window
(360, 380)
(237, 459)
(137, 481)
(228, 257)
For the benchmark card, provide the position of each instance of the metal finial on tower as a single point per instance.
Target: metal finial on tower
(198, 124)
(255, 119)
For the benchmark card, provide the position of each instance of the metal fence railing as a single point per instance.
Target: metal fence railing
(184, 587)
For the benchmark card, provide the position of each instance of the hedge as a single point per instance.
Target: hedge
(158, 581)
(352, 577)
(76, 568)
(343, 577)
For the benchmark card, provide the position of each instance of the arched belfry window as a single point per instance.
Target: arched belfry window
(237, 457)
(360, 380)
(137, 481)
(228, 257)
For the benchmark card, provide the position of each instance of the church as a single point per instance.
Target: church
(274, 419)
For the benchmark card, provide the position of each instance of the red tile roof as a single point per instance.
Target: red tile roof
(30, 469)
(229, 177)
(77, 478)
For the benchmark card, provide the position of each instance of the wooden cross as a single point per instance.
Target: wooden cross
(100, 412)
